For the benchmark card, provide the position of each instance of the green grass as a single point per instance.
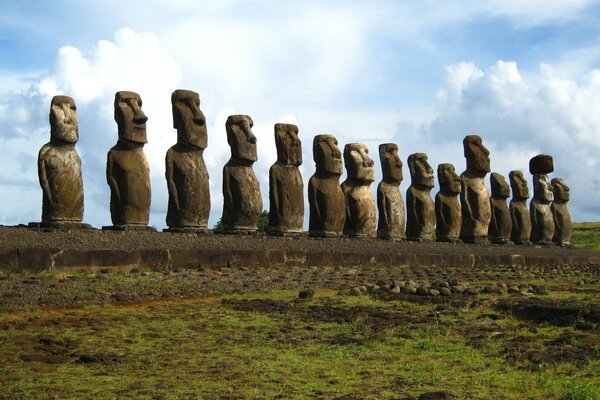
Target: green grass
(587, 235)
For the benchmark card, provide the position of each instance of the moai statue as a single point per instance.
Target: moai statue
(242, 201)
(361, 218)
(474, 196)
(560, 211)
(286, 189)
(447, 207)
(521, 220)
(59, 170)
(542, 221)
(500, 223)
(325, 196)
(186, 173)
(420, 214)
(127, 170)
(389, 199)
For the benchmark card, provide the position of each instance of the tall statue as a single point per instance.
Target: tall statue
(325, 196)
(127, 170)
(389, 199)
(242, 201)
(474, 196)
(186, 173)
(286, 189)
(542, 220)
(562, 217)
(521, 221)
(500, 222)
(420, 211)
(361, 218)
(447, 207)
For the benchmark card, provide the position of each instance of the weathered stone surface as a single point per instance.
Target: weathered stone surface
(286, 189)
(420, 215)
(242, 201)
(325, 196)
(521, 220)
(447, 207)
(541, 164)
(562, 217)
(361, 217)
(389, 199)
(500, 222)
(186, 173)
(474, 197)
(542, 220)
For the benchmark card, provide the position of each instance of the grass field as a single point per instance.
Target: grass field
(587, 235)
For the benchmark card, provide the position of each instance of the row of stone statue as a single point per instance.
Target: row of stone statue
(335, 209)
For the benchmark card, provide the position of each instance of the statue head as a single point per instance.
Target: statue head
(542, 189)
(500, 188)
(289, 146)
(518, 185)
(448, 179)
(561, 191)
(391, 165)
(240, 137)
(130, 118)
(188, 119)
(63, 120)
(327, 155)
(478, 157)
(421, 173)
(359, 164)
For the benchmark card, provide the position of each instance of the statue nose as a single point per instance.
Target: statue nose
(68, 119)
(251, 137)
(140, 119)
(368, 162)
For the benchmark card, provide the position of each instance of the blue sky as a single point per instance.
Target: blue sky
(525, 75)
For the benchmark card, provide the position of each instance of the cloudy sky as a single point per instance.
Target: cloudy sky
(525, 75)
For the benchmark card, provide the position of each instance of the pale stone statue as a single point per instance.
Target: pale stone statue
(562, 217)
(286, 189)
(447, 207)
(242, 201)
(420, 210)
(474, 196)
(361, 218)
(542, 220)
(500, 222)
(127, 170)
(521, 220)
(186, 173)
(325, 196)
(389, 199)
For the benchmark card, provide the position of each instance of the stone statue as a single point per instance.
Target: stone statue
(474, 196)
(361, 218)
(542, 221)
(286, 189)
(325, 196)
(500, 223)
(242, 201)
(389, 199)
(447, 207)
(127, 170)
(186, 173)
(521, 220)
(420, 211)
(560, 211)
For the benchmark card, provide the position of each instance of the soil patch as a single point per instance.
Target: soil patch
(551, 311)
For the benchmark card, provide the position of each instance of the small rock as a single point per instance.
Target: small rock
(453, 281)
(458, 289)
(105, 271)
(355, 291)
(513, 289)
(504, 286)
(526, 293)
(144, 273)
(471, 291)
(306, 293)
(395, 289)
(422, 291)
(363, 288)
(445, 291)
(134, 271)
(343, 292)
(434, 292)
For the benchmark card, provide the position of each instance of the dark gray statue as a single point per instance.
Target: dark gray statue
(420, 210)
(447, 207)
(562, 217)
(542, 220)
(501, 223)
(521, 220)
(361, 217)
(389, 199)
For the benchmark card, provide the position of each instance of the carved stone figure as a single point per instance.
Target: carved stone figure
(242, 201)
(420, 214)
(447, 207)
(389, 199)
(500, 222)
(361, 216)
(474, 196)
(542, 220)
(562, 217)
(186, 173)
(286, 189)
(521, 220)
(127, 170)
(325, 196)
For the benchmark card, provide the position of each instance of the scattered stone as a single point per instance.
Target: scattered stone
(422, 291)
(434, 292)
(445, 291)
(306, 293)
(355, 291)
(395, 289)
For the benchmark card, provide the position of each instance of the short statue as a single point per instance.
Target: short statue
(500, 223)
(474, 196)
(389, 199)
(420, 211)
(127, 170)
(325, 196)
(286, 189)
(186, 173)
(542, 220)
(562, 216)
(447, 207)
(361, 218)
(242, 201)
(521, 220)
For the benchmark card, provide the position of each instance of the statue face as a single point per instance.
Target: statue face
(327, 155)
(240, 137)
(289, 146)
(561, 190)
(542, 189)
(359, 164)
(63, 120)
(518, 185)
(499, 186)
(449, 180)
(478, 157)
(391, 165)
(421, 173)
(130, 118)
(188, 119)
